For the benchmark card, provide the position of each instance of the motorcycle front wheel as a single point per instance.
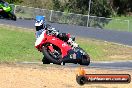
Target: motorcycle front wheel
(54, 58)
(45, 60)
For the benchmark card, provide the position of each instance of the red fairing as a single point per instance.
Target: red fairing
(51, 48)
(55, 41)
(62, 45)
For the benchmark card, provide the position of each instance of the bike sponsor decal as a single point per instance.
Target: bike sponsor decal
(53, 38)
(73, 56)
(83, 78)
(64, 44)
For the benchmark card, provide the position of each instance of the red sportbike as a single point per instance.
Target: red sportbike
(59, 52)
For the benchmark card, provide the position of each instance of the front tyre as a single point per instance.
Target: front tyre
(48, 54)
(45, 60)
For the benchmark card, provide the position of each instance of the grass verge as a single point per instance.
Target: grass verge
(105, 51)
(120, 23)
(18, 45)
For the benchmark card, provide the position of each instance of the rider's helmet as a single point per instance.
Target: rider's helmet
(40, 23)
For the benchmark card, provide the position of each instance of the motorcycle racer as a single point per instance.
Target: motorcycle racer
(58, 51)
(41, 25)
(57, 48)
(6, 10)
(2, 2)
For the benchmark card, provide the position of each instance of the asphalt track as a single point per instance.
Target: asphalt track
(101, 34)
(117, 65)
(107, 35)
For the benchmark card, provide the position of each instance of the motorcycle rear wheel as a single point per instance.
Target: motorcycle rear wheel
(85, 60)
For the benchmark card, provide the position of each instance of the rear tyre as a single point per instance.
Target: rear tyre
(85, 60)
(50, 58)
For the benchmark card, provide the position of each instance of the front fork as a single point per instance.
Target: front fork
(51, 48)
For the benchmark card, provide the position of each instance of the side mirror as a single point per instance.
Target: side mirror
(73, 38)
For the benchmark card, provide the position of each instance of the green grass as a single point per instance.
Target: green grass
(105, 51)
(18, 45)
(120, 24)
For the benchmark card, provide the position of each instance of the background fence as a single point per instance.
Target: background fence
(75, 19)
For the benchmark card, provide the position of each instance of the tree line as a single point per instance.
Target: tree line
(103, 8)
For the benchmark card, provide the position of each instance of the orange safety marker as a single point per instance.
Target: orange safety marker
(83, 78)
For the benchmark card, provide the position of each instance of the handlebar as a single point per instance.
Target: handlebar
(52, 31)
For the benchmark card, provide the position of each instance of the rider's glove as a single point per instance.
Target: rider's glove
(54, 32)
(70, 40)
(72, 43)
